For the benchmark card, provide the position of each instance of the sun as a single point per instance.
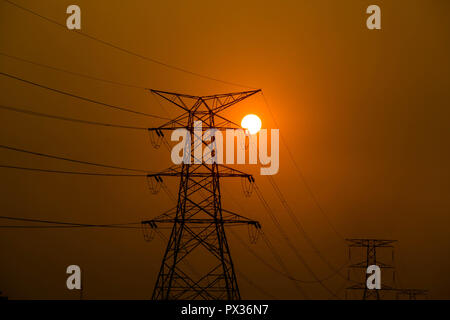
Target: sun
(252, 123)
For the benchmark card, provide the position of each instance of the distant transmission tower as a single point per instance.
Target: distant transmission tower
(197, 262)
(370, 256)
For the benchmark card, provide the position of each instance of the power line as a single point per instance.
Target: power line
(254, 285)
(285, 271)
(236, 202)
(301, 175)
(289, 242)
(278, 258)
(109, 44)
(276, 255)
(331, 275)
(40, 154)
(72, 72)
(168, 192)
(50, 116)
(301, 229)
(69, 159)
(65, 224)
(61, 227)
(72, 172)
(83, 98)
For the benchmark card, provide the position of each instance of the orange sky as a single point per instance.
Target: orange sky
(365, 113)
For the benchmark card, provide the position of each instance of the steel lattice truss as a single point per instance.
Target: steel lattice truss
(370, 246)
(198, 221)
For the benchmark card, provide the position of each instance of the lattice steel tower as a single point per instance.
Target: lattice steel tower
(197, 262)
(370, 257)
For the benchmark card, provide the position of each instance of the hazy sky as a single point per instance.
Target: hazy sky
(364, 112)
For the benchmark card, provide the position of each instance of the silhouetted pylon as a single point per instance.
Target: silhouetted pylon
(197, 262)
(370, 257)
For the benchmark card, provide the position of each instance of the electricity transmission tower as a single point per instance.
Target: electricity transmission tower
(369, 257)
(197, 261)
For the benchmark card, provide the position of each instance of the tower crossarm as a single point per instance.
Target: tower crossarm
(228, 217)
(154, 222)
(201, 171)
(216, 103)
(181, 122)
(370, 242)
